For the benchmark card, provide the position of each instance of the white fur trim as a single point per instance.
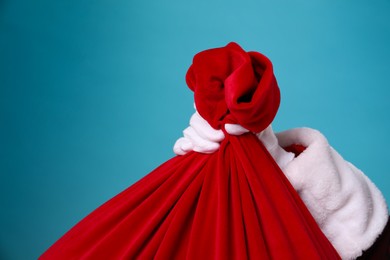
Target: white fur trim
(348, 207)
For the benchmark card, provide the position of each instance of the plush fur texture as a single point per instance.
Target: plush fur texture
(348, 207)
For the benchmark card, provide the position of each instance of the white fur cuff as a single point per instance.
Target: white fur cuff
(348, 207)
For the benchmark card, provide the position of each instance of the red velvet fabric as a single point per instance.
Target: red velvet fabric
(296, 149)
(234, 86)
(232, 204)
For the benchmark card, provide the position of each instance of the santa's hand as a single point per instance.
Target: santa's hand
(235, 129)
(198, 137)
(201, 137)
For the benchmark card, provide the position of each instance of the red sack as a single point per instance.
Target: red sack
(233, 204)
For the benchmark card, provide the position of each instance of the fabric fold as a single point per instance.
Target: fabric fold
(232, 204)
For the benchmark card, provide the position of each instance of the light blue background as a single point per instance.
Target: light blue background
(92, 93)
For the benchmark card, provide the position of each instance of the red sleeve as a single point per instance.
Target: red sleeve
(297, 149)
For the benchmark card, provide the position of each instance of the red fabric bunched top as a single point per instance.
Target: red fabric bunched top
(232, 204)
(231, 85)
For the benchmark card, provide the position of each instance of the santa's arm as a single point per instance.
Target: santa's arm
(348, 207)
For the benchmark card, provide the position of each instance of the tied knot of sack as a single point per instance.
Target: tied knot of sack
(232, 86)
